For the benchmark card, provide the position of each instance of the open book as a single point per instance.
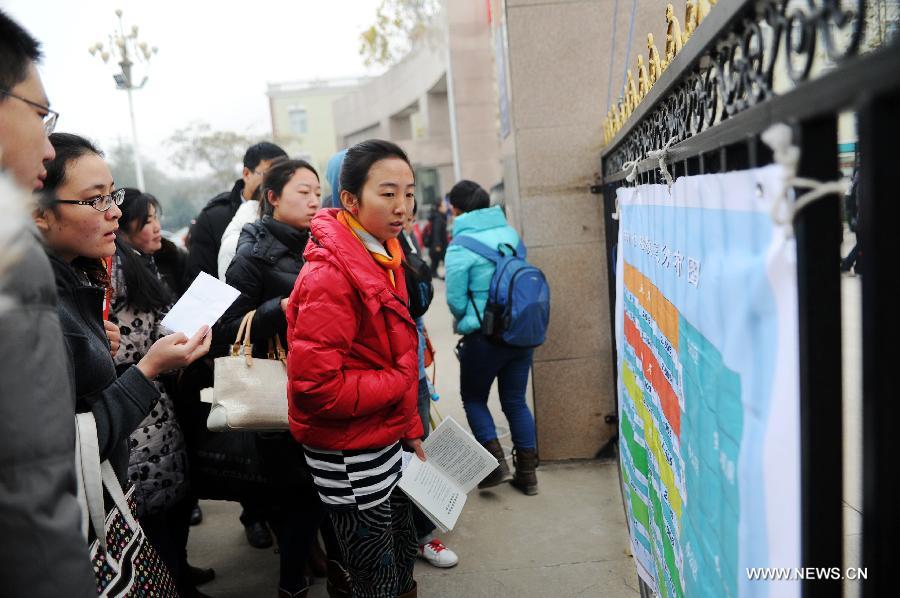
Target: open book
(456, 464)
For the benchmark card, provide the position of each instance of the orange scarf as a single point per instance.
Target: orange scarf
(388, 256)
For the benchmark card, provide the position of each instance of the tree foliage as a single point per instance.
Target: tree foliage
(399, 26)
(181, 198)
(198, 147)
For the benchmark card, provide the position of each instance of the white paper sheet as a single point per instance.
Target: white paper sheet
(204, 303)
(455, 464)
(437, 496)
(456, 453)
(708, 391)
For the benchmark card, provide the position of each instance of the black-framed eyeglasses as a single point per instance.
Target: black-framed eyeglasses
(101, 203)
(50, 117)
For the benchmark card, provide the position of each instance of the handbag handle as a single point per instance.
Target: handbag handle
(277, 349)
(242, 338)
(93, 477)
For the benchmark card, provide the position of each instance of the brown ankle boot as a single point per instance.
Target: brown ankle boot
(338, 584)
(412, 593)
(526, 462)
(501, 474)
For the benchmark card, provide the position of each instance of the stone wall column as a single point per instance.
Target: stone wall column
(558, 56)
(473, 85)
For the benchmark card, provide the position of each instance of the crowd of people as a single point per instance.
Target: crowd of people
(86, 278)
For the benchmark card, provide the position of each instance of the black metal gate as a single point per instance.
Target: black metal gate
(715, 98)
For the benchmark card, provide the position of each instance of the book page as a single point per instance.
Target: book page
(203, 303)
(457, 455)
(433, 493)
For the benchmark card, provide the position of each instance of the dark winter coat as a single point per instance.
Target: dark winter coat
(42, 552)
(437, 239)
(207, 231)
(353, 361)
(171, 262)
(157, 463)
(118, 403)
(268, 259)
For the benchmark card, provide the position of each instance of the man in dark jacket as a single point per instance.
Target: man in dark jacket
(42, 551)
(437, 239)
(206, 233)
(206, 237)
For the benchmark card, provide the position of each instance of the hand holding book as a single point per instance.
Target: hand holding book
(456, 464)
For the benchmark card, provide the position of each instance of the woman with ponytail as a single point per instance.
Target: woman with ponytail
(353, 368)
(267, 261)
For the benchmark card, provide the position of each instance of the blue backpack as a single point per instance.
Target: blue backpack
(518, 306)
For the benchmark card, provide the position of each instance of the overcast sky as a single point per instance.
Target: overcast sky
(215, 59)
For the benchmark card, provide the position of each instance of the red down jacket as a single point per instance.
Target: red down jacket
(352, 358)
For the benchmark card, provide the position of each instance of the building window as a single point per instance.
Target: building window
(298, 121)
(428, 189)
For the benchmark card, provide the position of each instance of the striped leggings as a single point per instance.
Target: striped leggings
(378, 546)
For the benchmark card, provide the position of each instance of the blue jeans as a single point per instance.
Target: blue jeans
(480, 362)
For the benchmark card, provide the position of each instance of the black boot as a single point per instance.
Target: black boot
(526, 462)
(501, 473)
(196, 514)
(199, 576)
(258, 534)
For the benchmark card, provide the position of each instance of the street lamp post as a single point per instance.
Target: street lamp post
(123, 47)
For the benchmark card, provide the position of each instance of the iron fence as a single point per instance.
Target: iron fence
(751, 64)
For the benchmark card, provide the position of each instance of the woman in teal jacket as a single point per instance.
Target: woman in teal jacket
(481, 361)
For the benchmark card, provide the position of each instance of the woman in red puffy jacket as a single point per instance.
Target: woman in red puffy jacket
(353, 368)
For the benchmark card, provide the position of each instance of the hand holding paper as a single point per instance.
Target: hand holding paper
(456, 464)
(175, 351)
(194, 315)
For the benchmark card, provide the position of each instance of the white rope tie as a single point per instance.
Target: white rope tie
(632, 167)
(784, 211)
(661, 155)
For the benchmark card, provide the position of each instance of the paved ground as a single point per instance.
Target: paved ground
(851, 306)
(570, 540)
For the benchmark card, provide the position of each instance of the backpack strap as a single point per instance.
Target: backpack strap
(485, 251)
(478, 248)
(475, 307)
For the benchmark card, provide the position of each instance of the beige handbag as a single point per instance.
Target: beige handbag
(248, 393)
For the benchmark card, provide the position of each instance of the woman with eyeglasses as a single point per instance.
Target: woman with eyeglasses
(78, 217)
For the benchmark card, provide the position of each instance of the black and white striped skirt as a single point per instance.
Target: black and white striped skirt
(359, 479)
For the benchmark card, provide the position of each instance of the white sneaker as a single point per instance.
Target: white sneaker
(437, 554)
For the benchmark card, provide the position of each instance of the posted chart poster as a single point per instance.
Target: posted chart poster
(708, 388)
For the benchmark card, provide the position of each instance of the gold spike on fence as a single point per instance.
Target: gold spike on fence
(695, 11)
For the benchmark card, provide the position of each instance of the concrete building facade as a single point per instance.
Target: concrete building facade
(303, 117)
(554, 75)
(527, 83)
(410, 104)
